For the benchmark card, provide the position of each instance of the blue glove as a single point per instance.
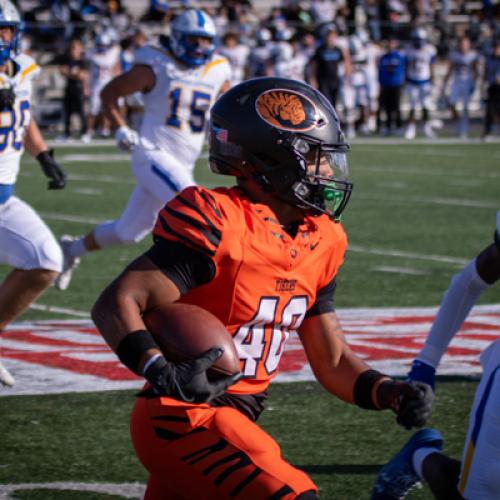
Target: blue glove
(422, 372)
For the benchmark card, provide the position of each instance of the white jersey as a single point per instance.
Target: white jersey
(463, 64)
(176, 108)
(237, 57)
(419, 62)
(258, 59)
(102, 65)
(295, 68)
(13, 123)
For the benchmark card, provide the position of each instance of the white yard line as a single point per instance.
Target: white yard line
(453, 202)
(70, 218)
(126, 490)
(400, 270)
(408, 255)
(60, 310)
(87, 191)
(89, 158)
(438, 141)
(416, 170)
(97, 178)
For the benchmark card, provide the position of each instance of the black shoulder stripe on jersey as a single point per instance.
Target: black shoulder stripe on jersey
(211, 201)
(212, 234)
(181, 237)
(197, 209)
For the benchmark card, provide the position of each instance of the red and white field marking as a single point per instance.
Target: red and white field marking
(70, 356)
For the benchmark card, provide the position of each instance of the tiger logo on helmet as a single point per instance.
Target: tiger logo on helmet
(287, 110)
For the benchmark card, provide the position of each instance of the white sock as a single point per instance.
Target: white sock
(464, 291)
(77, 248)
(418, 459)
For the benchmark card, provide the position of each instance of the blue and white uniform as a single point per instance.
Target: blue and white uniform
(419, 63)
(170, 138)
(462, 76)
(25, 240)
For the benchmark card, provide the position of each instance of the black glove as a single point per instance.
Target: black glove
(411, 401)
(187, 380)
(7, 99)
(52, 169)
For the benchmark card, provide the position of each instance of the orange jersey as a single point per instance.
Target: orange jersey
(265, 280)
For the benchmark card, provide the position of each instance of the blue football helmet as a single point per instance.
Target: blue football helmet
(192, 23)
(418, 38)
(9, 17)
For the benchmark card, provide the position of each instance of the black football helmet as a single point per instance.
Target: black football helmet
(272, 129)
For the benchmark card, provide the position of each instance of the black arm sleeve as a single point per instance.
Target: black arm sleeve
(186, 267)
(324, 300)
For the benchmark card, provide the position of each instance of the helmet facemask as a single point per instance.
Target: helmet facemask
(322, 186)
(9, 18)
(8, 50)
(187, 30)
(191, 52)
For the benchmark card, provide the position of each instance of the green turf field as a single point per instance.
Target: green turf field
(417, 214)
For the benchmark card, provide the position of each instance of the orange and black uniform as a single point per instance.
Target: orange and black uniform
(261, 283)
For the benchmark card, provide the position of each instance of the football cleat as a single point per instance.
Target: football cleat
(429, 131)
(398, 476)
(411, 131)
(5, 377)
(69, 264)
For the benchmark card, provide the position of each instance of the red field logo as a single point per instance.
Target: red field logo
(70, 356)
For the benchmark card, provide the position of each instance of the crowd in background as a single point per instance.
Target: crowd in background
(387, 66)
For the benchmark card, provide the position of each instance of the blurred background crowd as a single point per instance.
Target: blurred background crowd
(391, 67)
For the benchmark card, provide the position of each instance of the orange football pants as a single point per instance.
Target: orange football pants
(197, 452)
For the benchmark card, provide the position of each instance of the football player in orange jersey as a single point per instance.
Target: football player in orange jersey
(262, 256)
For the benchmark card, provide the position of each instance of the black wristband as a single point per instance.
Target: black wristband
(45, 157)
(496, 239)
(132, 347)
(363, 389)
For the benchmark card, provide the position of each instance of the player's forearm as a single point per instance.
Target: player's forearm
(340, 380)
(463, 292)
(33, 140)
(117, 313)
(111, 109)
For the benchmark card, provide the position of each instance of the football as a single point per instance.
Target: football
(186, 331)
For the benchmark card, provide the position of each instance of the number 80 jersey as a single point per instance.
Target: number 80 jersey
(13, 123)
(176, 108)
(265, 281)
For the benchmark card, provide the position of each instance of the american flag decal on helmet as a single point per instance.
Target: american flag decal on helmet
(221, 135)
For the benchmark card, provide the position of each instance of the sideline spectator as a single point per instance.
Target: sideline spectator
(260, 55)
(463, 71)
(391, 77)
(420, 57)
(324, 66)
(75, 69)
(104, 60)
(237, 54)
(492, 78)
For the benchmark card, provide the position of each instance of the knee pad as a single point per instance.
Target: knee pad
(51, 256)
(46, 254)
